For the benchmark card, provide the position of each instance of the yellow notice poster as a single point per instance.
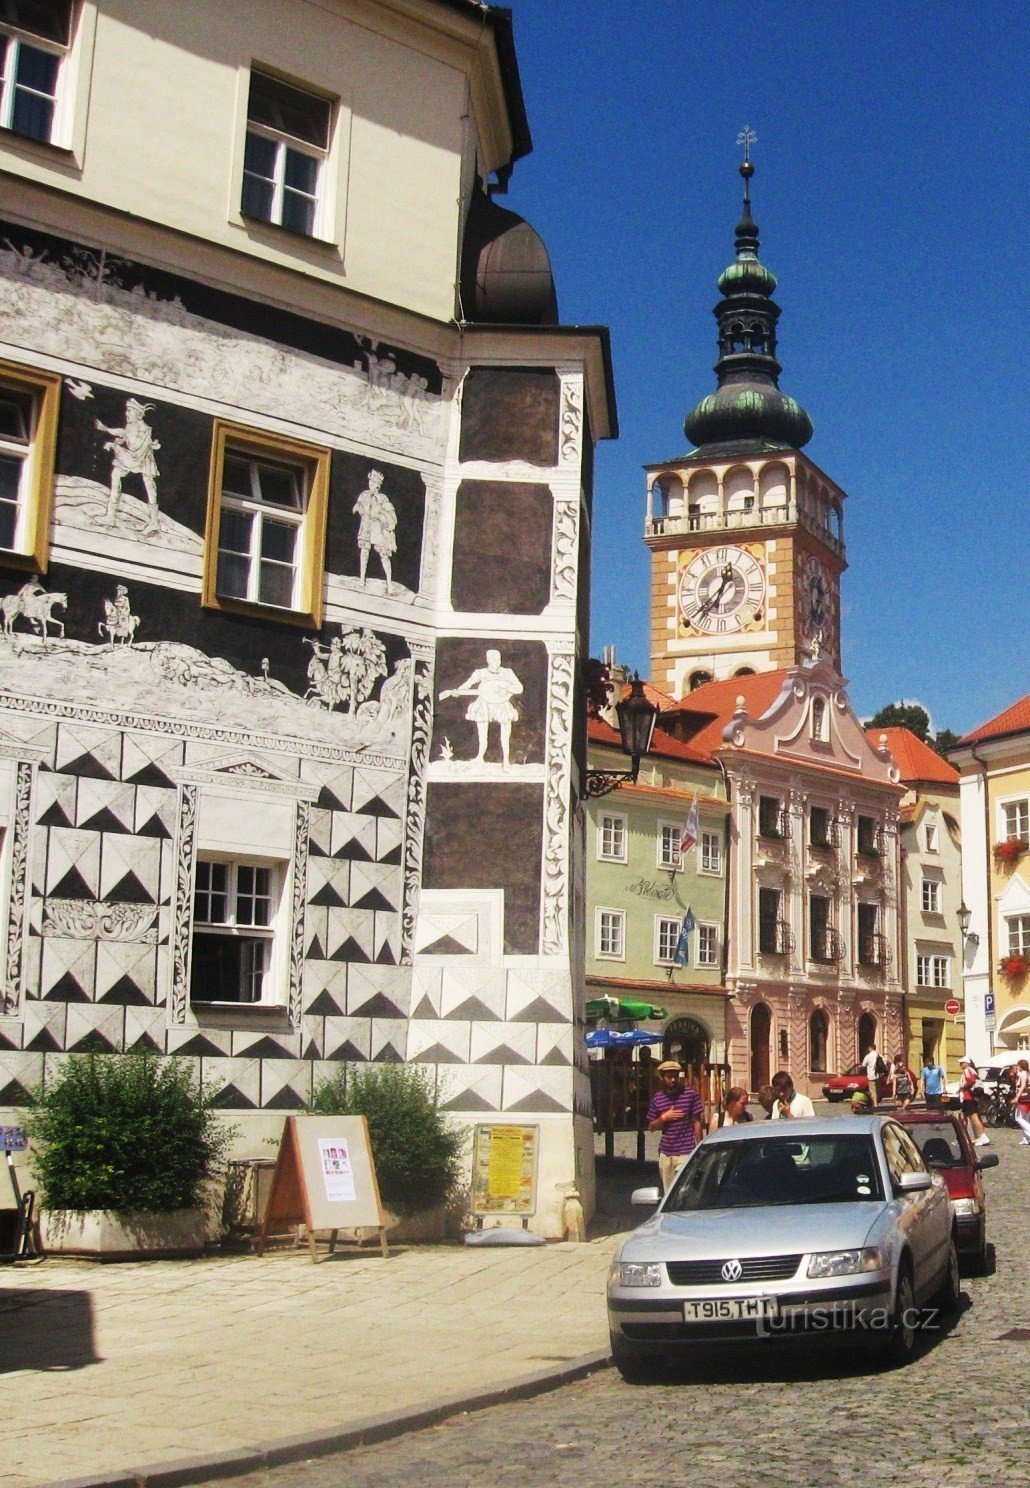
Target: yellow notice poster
(504, 1164)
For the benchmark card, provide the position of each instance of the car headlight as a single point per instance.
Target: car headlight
(964, 1206)
(846, 1262)
(636, 1274)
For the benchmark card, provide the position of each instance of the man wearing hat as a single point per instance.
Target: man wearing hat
(677, 1113)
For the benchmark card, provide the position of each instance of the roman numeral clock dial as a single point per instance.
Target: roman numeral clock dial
(721, 591)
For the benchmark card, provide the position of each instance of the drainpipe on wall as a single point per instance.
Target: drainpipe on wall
(726, 902)
(987, 881)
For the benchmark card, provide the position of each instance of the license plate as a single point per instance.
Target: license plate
(730, 1309)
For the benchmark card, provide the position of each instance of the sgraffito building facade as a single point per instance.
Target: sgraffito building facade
(295, 468)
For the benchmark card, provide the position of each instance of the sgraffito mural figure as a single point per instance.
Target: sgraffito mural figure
(492, 688)
(133, 450)
(377, 528)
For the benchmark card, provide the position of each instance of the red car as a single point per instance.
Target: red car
(945, 1145)
(843, 1087)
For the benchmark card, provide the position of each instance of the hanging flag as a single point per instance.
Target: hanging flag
(682, 951)
(689, 837)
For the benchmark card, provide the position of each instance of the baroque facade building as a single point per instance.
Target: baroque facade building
(295, 481)
(994, 764)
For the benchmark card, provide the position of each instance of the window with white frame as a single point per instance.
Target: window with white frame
(707, 945)
(933, 970)
(611, 838)
(932, 837)
(234, 911)
(611, 934)
(711, 852)
(28, 427)
(669, 837)
(1015, 817)
(1019, 934)
(35, 38)
(266, 520)
(932, 895)
(283, 164)
(666, 938)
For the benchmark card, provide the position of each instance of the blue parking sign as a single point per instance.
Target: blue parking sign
(989, 1003)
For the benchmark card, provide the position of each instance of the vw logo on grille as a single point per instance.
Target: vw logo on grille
(732, 1271)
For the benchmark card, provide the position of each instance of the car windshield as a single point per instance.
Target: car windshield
(778, 1170)
(938, 1142)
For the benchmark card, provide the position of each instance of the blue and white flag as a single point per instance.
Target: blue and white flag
(682, 952)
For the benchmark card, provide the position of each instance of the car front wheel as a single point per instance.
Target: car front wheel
(635, 1368)
(950, 1293)
(901, 1344)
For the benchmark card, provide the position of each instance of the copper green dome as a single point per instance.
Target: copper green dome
(747, 411)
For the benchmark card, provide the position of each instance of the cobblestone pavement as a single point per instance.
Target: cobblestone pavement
(956, 1416)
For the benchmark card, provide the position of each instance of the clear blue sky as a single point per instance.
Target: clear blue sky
(891, 194)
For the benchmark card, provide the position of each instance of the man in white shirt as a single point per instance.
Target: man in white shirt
(872, 1063)
(789, 1103)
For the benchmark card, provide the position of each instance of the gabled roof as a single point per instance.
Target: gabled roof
(719, 701)
(916, 760)
(1013, 720)
(662, 744)
(662, 700)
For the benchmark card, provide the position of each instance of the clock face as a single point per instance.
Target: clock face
(721, 591)
(816, 598)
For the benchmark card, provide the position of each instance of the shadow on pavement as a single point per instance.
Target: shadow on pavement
(46, 1330)
(616, 1178)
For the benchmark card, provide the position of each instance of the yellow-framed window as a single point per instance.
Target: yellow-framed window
(29, 402)
(264, 548)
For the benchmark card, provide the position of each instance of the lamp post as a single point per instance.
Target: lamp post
(965, 914)
(637, 715)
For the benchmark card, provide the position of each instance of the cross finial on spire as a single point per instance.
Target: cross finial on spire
(747, 137)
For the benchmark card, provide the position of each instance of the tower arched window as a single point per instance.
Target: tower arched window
(737, 338)
(698, 679)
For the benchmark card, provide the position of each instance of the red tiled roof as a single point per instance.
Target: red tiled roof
(915, 760)
(662, 701)
(661, 742)
(720, 698)
(1013, 720)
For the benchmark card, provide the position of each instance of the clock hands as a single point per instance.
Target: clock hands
(712, 602)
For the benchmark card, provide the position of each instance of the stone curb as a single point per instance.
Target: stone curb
(365, 1431)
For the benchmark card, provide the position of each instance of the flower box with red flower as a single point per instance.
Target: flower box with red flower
(1014, 966)
(1010, 850)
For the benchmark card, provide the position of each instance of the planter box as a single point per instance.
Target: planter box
(102, 1235)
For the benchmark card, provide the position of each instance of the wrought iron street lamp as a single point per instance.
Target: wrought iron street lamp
(965, 914)
(637, 715)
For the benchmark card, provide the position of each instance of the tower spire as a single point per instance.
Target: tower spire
(748, 411)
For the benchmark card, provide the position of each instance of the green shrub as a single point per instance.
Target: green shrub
(128, 1132)
(417, 1156)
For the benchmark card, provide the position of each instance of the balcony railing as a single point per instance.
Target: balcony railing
(827, 946)
(874, 950)
(775, 938)
(755, 516)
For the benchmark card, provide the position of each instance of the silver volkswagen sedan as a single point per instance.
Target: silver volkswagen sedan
(782, 1230)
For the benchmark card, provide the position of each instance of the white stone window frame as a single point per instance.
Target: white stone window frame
(1017, 934)
(619, 832)
(332, 160)
(608, 920)
(669, 836)
(932, 837)
(667, 928)
(273, 936)
(1013, 818)
(933, 971)
(710, 854)
(70, 95)
(931, 895)
(708, 932)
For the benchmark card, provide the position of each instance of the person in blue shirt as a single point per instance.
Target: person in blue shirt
(932, 1079)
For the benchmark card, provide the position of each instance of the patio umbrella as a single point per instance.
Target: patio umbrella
(611, 1038)
(623, 1007)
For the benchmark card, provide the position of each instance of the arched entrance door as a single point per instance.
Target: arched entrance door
(761, 1026)
(866, 1034)
(688, 1041)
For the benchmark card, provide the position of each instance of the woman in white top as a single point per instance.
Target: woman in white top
(735, 1112)
(1021, 1108)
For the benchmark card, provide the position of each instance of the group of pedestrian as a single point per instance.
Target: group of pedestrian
(677, 1112)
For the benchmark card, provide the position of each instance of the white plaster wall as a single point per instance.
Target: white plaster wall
(179, 71)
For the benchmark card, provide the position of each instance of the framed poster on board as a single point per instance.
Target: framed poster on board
(504, 1169)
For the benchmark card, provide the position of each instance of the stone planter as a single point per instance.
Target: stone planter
(102, 1235)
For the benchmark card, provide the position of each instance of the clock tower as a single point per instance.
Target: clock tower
(746, 533)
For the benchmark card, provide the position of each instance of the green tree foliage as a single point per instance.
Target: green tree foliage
(917, 721)
(417, 1156)
(128, 1132)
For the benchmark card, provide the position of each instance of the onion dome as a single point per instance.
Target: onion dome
(747, 412)
(505, 269)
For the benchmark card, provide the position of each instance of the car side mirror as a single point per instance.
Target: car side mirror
(649, 1196)
(913, 1182)
(989, 1160)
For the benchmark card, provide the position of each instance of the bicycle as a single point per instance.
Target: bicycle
(1000, 1109)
